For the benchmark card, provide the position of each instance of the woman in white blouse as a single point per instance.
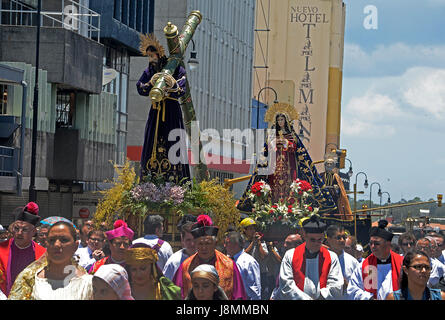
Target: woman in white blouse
(56, 275)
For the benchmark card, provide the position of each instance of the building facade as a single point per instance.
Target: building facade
(299, 53)
(83, 95)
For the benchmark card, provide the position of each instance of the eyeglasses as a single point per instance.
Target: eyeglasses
(96, 240)
(339, 237)
(24, 229)
(420, 267)
(408, 244)
(375, 243)
(118, 244)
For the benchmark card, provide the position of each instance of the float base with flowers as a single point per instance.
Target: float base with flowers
(285, 216)
(133, 200)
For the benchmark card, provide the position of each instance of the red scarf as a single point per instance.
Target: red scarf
(396, 266)
(5, 250)
(299, 266)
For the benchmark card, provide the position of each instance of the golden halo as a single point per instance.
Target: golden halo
(280, 108)
(150, 40)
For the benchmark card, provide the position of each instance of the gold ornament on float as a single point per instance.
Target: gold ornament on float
(280, 108)
(150, 40)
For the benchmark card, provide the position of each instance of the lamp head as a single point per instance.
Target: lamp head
(366, 183)
(193, 62)
(350, 172)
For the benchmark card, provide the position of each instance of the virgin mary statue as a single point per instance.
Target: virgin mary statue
(291, 162)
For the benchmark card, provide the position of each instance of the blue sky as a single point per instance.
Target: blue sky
(393, 99)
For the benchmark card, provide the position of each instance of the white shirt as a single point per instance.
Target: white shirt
(442, 257)
(249, 269)
(356, 289)
(348, 265)
(288, 289)
(437, 271)
(85, 256)
(164, 252)
(3, 296)
(78, 288)
(173, 263)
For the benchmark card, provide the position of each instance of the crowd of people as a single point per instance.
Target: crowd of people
(319, 262)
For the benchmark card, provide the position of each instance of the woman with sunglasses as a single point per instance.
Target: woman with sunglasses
(416, 269)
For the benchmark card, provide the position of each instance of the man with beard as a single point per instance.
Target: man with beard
(163, 117)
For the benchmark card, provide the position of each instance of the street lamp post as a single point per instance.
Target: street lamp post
(355, 198)
(350, 172)
(258, 113)
(370, 193)
(389, 198)
(193, 61)
(258, 104)
(32, 187)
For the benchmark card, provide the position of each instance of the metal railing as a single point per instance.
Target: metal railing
(73, 16)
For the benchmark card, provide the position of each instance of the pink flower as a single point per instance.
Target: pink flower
(204, 220)
(119, 223)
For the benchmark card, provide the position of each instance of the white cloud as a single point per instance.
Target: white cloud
(368, 115)
(415, 99)
(374, 107)
(390, 60)
(424, 88)
(358, 127)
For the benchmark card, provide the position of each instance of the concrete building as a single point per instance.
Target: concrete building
(299, 53)
(220, 86)
(83, 92)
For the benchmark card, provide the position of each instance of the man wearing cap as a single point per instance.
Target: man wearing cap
(17, 253)
(119, 240)
(188, 248)
(310, 271)
(378, 274)
(205, 234)
(257, 248)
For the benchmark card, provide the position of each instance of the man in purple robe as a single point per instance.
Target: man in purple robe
(19, 251)
(163, 117)
(231, 281)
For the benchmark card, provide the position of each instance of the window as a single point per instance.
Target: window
(124, 11)
(3, 99)
(117, 10)
(65, 106)
(132, 19)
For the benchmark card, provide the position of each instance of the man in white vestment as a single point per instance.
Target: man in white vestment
(428, 246)
(188, 249)
(378, 274)
(336, 238)
(310, 271)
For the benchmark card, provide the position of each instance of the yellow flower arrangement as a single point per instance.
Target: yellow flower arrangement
(223, 210)
(111, 205)
(208, 197)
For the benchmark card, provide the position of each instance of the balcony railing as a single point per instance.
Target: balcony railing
(72, 16)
